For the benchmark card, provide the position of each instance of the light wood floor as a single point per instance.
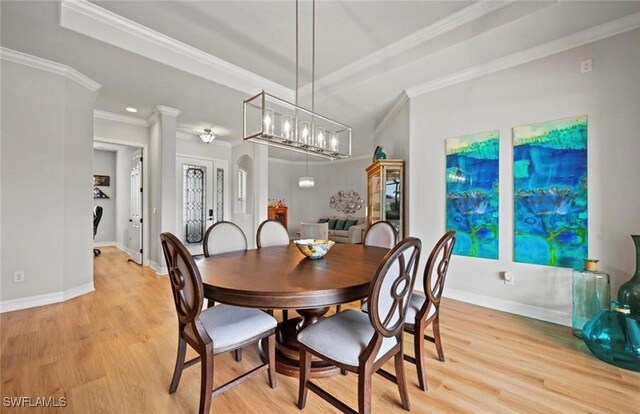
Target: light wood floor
(113, 350)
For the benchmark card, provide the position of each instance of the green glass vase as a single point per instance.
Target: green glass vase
(629, 293)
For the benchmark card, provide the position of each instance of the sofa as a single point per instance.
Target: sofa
(351, 235)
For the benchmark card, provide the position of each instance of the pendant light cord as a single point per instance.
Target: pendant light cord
(296, 53)
(313, 58)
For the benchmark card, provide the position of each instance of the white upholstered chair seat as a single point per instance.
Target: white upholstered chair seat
(228, 325)
(415, 304)
(343, 337)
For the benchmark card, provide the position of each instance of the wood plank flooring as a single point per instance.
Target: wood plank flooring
(113, 350)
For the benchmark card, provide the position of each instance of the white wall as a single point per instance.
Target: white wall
(108, 130)
(546, 89)
(330, 177)
(257, 188)
(47, 228)
(196, 148)
(104, 163)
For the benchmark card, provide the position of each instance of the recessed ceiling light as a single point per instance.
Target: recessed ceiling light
(130, 109)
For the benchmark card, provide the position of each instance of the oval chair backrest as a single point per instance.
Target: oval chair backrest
(186, 283)
(392, 286)
(435, 271)
(272, 233)
(319, 231)
(381, 234)
(223, 237)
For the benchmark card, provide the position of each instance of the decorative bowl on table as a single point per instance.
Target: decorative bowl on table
(314, 249)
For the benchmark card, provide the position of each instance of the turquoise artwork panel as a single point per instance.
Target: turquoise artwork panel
(550, 193)
(472, 193)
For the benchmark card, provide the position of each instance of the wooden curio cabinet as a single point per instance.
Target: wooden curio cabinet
(385, 193)
(278, 213)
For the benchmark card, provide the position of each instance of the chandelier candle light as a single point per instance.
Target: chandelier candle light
(272, 121)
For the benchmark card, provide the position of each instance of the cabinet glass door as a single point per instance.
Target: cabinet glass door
(393, 197)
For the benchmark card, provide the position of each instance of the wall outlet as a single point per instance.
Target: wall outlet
(586, 66)
(508, 278)
(18, 277)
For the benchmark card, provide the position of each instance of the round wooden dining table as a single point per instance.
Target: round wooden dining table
(282, 278)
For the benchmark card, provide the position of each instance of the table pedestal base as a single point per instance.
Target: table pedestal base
(287, 350)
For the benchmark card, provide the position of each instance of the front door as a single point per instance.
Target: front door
(194, 210)
(135, 218)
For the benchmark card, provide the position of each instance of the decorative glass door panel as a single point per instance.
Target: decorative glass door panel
(194, 204)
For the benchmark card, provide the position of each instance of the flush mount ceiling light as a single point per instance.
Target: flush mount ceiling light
(271, 121)
(207, 137)
(130, 109)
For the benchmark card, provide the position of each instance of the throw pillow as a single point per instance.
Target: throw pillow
(323, 220)
(340, 224)
(350, 223)
(332, 224)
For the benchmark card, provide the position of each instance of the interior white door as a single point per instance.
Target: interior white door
(194, 201)
(135, 219)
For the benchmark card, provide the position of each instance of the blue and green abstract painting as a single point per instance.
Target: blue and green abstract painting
(472, 193)
(550, 192)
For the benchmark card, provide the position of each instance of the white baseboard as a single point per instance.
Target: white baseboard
(104, 244)
(46, 299)
(535, 312)
(160, 270)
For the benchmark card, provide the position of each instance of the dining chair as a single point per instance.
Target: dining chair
(214, 330)
(273, 233)
(224, 237)
(424, 310)
(381, 234)
(318, 231)
(361, 342)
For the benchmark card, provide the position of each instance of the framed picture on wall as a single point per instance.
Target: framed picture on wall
(101, 180)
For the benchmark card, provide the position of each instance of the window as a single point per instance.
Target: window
(220, 194)
(242, 191)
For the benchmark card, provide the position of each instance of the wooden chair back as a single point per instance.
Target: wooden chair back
(186, 283)
(436, 269)
(392, 286)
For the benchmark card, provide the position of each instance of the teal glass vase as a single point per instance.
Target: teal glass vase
(629, 292)
(591, 293)
(614, 337)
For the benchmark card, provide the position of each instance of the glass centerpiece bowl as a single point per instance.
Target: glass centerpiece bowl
(314, 248)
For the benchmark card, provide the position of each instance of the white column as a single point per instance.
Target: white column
(162, 180)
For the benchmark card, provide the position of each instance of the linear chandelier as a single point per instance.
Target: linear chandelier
(272, 121)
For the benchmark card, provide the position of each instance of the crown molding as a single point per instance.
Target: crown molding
(94, 21)
(392, 112)
(167, 110)
(110, 116)
(162, 110)
(427, 33)
(36, 62)
(341, 161)
(581, 38)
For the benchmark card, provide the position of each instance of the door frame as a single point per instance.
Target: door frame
(217, 163)
(145, 193)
